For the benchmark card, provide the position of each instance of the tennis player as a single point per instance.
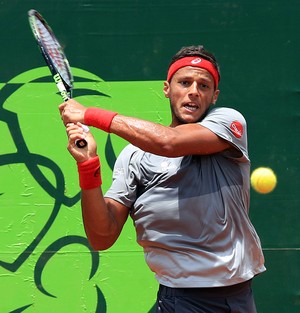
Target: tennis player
(186, 187)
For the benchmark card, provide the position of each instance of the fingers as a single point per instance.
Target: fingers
(61, 107)
(75, 132)
(84, 127)
(71, 111)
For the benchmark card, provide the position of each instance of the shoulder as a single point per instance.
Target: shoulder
(225, 113)
(230, 125)
(227, 118)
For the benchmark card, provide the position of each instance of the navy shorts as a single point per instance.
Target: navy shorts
(231, 299)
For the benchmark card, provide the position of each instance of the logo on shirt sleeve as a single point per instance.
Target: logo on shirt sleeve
(237, 129)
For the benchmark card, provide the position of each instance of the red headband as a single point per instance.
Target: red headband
(197, 62)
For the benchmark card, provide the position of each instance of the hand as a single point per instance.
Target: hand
(75, 132)
(72, 111)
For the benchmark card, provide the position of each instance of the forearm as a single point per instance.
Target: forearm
(99, 222)
(185, 139)
(148, 136)
(103, 218)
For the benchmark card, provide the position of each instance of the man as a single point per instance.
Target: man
(185, 186)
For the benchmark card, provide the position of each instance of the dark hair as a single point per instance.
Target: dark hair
(196, 51)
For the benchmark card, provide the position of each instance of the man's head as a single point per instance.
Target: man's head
(203, 59)
(192, 84)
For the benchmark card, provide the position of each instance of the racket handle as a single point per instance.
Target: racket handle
(81, 143)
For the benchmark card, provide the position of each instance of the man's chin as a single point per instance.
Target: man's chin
(184, 120)
(188, 119)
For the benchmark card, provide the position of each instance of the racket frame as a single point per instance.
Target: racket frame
(64, 88)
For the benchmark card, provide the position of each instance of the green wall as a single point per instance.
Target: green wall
(119, 52)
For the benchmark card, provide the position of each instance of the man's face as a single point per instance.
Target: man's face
(191, 92)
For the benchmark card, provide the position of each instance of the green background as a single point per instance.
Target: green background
(120, 51)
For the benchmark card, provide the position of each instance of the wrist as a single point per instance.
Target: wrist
(99, 118)
(89, 173)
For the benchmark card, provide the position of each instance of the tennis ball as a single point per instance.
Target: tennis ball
(263, 180)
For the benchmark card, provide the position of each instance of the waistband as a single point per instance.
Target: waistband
(225, 291)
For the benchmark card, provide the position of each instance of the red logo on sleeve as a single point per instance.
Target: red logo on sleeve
(237, 129)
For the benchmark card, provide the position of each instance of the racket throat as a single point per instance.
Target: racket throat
(61, 87)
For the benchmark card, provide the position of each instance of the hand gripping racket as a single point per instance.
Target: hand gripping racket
(55, 59)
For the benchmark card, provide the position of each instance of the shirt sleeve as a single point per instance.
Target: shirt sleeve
(230, 125)
(125, 175)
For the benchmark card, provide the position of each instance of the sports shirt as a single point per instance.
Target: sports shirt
(191, 213)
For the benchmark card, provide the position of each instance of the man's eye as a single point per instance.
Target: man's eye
(185, 83)
(204, 86)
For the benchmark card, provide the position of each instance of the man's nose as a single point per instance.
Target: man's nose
(194, 89)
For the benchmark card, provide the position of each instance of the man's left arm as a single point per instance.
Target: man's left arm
(185, 139)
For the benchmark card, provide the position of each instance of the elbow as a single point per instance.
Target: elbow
(100, 243)
(99, 247)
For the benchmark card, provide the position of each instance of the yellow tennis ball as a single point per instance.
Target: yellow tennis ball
(263, 180)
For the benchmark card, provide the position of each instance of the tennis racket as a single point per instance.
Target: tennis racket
(55, 59)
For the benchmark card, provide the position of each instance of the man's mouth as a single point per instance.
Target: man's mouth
(191, 107)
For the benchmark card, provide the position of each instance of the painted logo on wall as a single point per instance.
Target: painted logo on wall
(47, 264)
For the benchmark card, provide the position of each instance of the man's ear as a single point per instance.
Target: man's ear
(215, 96)
(166, 89)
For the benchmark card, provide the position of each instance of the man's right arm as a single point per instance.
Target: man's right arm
(103, 218)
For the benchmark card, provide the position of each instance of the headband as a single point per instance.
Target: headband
(196, 62)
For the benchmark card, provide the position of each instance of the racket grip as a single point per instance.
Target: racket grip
(81, 143)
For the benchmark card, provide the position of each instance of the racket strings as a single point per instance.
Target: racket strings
(54, 50)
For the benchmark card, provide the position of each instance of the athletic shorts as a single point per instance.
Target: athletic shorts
(231, 299)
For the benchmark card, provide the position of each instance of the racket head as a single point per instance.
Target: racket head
(54, 57)
(51, 49)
